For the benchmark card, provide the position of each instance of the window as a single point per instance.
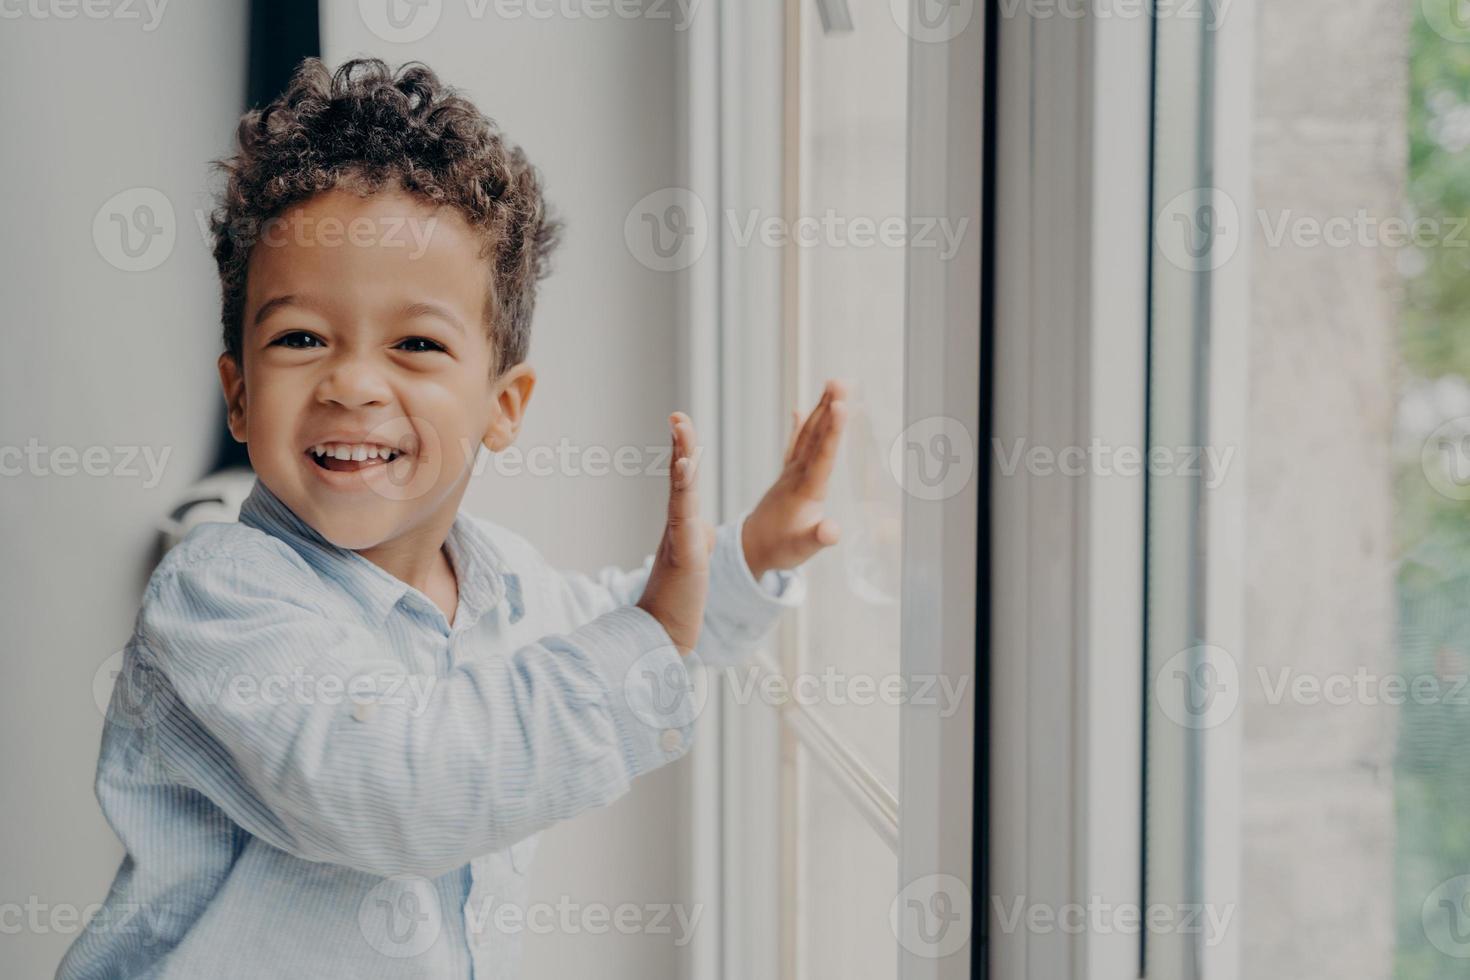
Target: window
(835, 262)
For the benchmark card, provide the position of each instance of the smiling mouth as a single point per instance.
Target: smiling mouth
(348, 459)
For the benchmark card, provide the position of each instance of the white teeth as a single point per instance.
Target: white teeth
(358, 453)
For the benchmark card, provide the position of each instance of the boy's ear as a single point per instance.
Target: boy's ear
(514, 394)
(232, 381)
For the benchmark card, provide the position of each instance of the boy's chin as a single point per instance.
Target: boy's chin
(362, 527)
(353, 542)
(352, 521)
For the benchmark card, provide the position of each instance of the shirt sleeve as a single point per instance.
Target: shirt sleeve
(738, 614)
(309, 736)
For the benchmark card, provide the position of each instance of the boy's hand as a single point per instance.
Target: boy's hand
(678, 582)
(787, 527)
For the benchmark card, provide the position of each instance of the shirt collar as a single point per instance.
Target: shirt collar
(485, 580)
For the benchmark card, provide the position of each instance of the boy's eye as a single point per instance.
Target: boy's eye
(420, 345)
(292, 339)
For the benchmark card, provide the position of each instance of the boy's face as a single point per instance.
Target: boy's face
(363, 325)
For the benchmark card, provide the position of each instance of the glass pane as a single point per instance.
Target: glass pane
(1180, 668)
(850, 246)
(846, 886)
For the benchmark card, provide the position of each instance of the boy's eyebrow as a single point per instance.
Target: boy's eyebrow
(407, 311)
(421, 308)
(271, 305)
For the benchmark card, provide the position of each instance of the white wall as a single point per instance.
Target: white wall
(92, 357)
(95, 356)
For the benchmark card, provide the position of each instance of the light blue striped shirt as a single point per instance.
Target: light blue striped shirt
(314, 775)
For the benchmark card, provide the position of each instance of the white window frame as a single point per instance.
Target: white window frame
(1071, 314)
(731, 157)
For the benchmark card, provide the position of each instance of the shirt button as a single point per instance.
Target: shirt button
(670, 740)
(364, 710)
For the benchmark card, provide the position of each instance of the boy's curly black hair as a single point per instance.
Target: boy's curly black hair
(365, 127)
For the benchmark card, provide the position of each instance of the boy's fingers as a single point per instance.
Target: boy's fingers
(823, 452)
(826, 532)
(813, 421)
(791, 437)
(683, 502)
(833, 393)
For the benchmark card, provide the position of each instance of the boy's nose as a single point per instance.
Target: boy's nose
(352, 384)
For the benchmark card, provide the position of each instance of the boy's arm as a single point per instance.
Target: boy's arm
(310, 739)
(740, 610)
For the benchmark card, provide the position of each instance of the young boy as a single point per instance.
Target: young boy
(343, 720)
